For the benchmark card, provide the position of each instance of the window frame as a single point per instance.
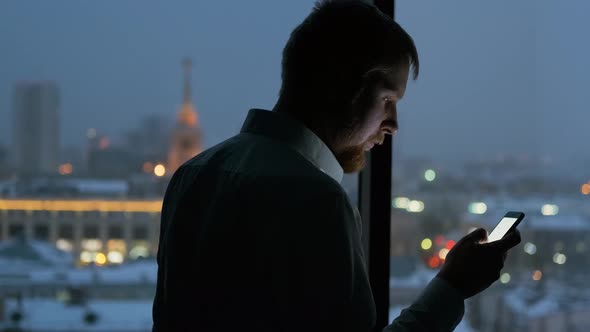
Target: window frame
(374, 201)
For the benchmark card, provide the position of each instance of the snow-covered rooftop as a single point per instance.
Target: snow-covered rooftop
(419, 279)
(52, 315)
(33, 252)
(129, 273)
(96, 186)
(556, 297)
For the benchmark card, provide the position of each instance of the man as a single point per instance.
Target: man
(258, 235)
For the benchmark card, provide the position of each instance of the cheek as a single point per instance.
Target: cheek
(371, 129)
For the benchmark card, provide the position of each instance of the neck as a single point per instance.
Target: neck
(314, 124)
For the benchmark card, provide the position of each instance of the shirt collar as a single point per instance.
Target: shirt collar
(282, 127)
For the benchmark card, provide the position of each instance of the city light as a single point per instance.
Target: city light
(148, 167)
(91, 133)
(442, 254)
(91, 244)
(450, 244)
(65, 169)
(433, 262)
(415, 206)
(559, 258)
(100, 258)
(115, 257)
(64, 245)
(151, 206)
(401, 202)
(478, 208)
(549, 210)
(585, 189)
(426, 244)
(116, 245)
(530, 248)
(505, 278)
(63, 296)
(86, 257)
(159, 170)
(104, 143)
(439, 240)
(429, 175)
(138, 251)
(537, 275)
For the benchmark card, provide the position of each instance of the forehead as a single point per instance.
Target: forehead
(397, 77)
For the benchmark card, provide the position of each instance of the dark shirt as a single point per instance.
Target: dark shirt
(257, 234)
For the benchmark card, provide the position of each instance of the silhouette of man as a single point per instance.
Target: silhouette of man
(257, 233)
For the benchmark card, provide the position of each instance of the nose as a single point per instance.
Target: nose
(390, 129)
(390, 126)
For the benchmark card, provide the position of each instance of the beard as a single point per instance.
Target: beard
(352, 159)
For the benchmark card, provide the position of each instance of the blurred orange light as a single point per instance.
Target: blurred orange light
(442, 254)
(537, 275)
(586, 189)
(450, 244)
(65, 169)
(434, 262)
(148, 167)
(151, 206)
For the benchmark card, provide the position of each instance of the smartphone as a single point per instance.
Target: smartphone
(508, 223)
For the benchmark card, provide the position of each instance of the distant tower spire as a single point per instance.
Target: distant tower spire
(187, 116)
(186, 136)
(187, 63)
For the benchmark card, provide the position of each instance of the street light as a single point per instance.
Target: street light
(159, 170)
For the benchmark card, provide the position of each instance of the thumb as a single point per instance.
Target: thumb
(476, 236)
(508, 242)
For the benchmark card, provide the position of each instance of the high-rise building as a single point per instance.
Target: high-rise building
(186, 136)
(36, 127)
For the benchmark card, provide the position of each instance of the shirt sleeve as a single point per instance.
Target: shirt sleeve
(440, 307)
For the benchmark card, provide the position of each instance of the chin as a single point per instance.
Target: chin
(352, 159)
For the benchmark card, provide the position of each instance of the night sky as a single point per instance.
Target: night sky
(496, 77)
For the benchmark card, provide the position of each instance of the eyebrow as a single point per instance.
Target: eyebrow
(392, 94)
(390, 83)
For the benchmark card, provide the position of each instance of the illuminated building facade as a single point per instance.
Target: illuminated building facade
(94, 231)
(186, 136)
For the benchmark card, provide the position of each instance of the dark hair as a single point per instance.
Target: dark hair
(339, 49)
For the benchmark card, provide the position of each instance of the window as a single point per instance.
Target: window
(140, 233)
(496, 78)
(65, 231)
(115, 232)
(41, 232)
(90, 232)
(118, 76)
(16, 230)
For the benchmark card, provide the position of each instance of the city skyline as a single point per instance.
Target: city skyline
(491, 125)
(118, 65)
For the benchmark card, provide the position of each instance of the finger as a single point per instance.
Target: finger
(476, 236)
(508, 242)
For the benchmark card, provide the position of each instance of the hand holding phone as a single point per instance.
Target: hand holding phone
(474, 264)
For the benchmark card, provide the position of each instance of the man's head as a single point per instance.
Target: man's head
(344, 69)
